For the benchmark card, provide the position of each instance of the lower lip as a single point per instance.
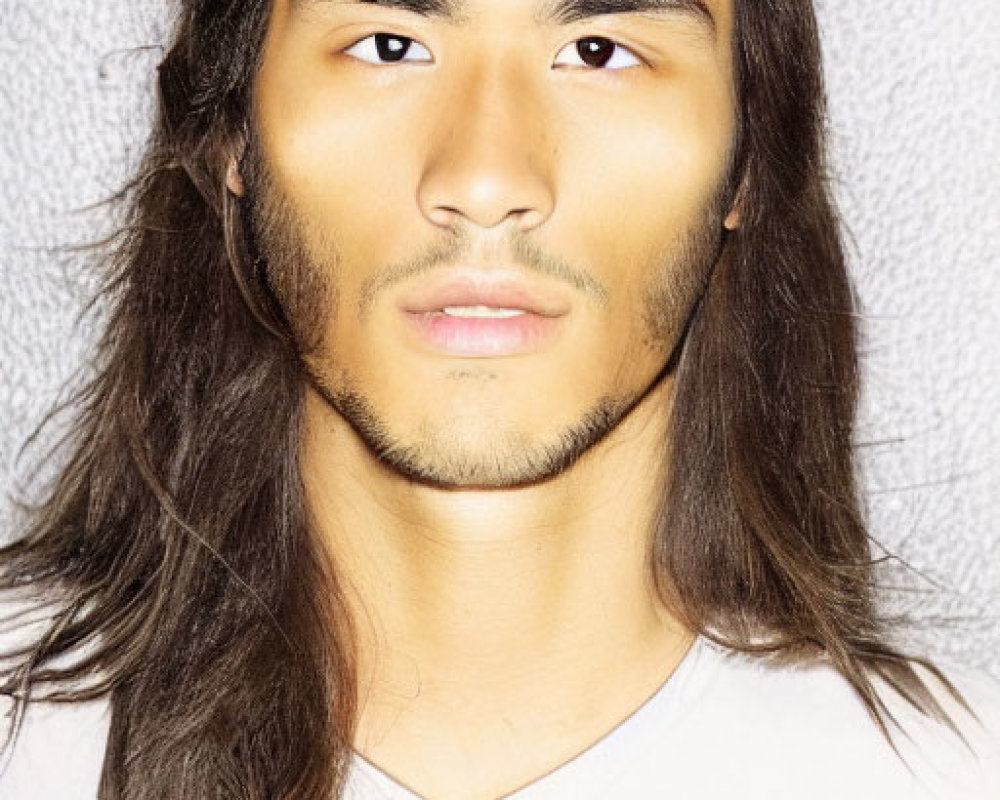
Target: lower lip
(484, 337)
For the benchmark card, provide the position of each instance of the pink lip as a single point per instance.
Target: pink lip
(494, 289)
(484, 337)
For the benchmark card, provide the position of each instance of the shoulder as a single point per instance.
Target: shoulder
(58, 753)
(965, 766)
(758, 729)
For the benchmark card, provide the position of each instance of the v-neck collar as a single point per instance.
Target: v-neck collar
(588, 773)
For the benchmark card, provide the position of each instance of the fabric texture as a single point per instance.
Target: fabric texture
(723, 725)
(726, 726)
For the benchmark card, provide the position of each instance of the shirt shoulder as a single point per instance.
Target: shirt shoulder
(58, 753)
(760, 730)
(963, 765)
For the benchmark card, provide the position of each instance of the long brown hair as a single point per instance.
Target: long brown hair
(173, 553)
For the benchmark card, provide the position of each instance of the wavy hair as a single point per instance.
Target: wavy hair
(173, 557)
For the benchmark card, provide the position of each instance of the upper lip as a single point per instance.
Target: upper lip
(494, 289)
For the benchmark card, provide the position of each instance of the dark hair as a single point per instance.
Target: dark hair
(174, 553)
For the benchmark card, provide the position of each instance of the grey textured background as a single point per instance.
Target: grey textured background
(915, 99)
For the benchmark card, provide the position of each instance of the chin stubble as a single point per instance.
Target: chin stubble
(508, 461)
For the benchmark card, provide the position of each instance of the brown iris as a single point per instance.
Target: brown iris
(391, 48)
(595, 51)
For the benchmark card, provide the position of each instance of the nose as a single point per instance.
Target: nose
(488, 160)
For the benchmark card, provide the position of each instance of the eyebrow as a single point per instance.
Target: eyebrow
(564, 12)
(549, 12)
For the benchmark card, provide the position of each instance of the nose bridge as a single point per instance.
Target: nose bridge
(488, 156)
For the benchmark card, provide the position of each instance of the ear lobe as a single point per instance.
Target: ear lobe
(734, 219)
(234, 157)
(234, 181)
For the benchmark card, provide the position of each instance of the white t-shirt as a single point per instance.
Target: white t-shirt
(724, 726)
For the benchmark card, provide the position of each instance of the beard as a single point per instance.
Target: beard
(303, 285)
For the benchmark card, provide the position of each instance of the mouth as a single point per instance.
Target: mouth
(484, 315)
(492, 291)
(481, 312)
(488, 334)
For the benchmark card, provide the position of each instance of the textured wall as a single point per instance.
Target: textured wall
(915, 98)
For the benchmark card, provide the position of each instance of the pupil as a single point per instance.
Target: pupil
(391, 48)
(595, 51)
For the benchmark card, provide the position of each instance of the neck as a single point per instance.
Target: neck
(491, 613)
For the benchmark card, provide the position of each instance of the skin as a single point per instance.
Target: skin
(491, 517)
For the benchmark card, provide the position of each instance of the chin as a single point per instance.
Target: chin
(478, 449)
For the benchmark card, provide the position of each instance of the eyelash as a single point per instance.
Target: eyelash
(618, 47)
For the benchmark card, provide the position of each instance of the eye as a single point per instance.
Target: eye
(385, 48)
(599, 53)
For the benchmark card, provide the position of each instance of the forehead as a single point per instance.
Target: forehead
(545, 12)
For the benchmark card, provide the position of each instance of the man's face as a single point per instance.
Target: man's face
(567, 176)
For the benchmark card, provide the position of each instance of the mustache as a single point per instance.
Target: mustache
(457, 248)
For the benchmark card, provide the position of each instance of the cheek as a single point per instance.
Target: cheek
(640, 187)
(344, 155)
(343, 176)
(648, 171)
(660, 139)
(347, 188)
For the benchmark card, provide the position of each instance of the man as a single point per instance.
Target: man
(474, 418)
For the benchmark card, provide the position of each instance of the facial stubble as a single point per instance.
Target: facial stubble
(304, 285)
